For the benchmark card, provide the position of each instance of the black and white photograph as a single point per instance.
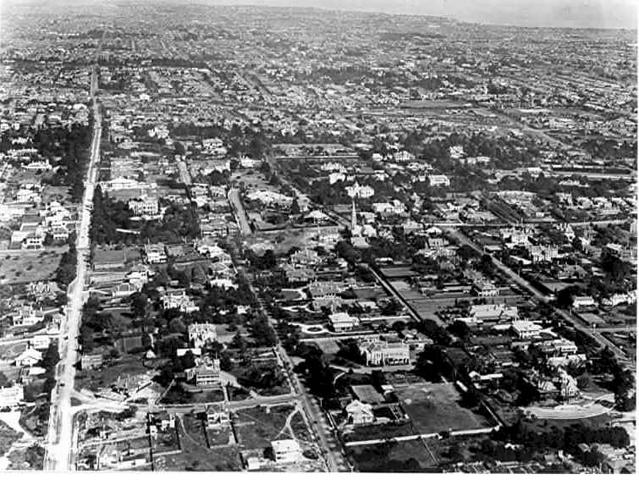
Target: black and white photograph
(339, 237)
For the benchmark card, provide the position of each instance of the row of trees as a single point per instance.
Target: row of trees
(65, 273)
(72, 146)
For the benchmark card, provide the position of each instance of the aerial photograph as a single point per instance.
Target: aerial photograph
(318, 236)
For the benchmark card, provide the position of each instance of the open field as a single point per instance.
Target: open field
(394, 456)
(256, 427)
(94, 379)
(434, 408)
(197, 456)
(26, 267)
(179, 395)
(194, 428)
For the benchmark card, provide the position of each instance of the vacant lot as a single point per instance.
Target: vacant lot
(434, 408)
(197, 456)
(410, 456)
(26, 267)
(256, 427)
(124, 367)
(181, 395)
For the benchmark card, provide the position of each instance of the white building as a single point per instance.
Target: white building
(202, 333)
(526, 328)
(584, 302)
(438, 181)
(11, 396)
(359, 413)
(40, 342)
(286, 451)
(180, 300)
(381, 353)
(342, 321)
(28, 358)
(144, 206)
(155, 253)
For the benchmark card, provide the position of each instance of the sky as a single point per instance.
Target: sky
(529, 13)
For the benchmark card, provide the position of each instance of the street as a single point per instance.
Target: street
(60, 432)
(240, 213)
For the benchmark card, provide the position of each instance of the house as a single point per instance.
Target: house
(144, 206)
(91, 361)
(155, 253)
(26, 316)
(342, 321)
(160, 422)
(298, 275)
(28, 358)
(381, 353)
(286, 451)
(438, 181)
(305, 257)
(11, 396)
(583, 302)
(217, 416)
(525, 329)
(33, 241)
(202, 333)
(359, 413)
(180, 300)
(485, 288)
(39, 342)
(205, 375)
(125, 289)
(558, 347)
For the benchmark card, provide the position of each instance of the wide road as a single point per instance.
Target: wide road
(572, 320)
(60, 433)
(335, 461)
(240, 213)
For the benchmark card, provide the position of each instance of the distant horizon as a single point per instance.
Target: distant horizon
(568, 14)
(576, 14)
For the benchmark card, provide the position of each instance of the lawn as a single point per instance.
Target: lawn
(406, 456)
(434, 408)
(25, 267)
(219, 436)
(194, 428)
(197, 456)
(179, 395)
(256, 427)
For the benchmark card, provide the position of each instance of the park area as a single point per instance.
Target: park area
(435, 408)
